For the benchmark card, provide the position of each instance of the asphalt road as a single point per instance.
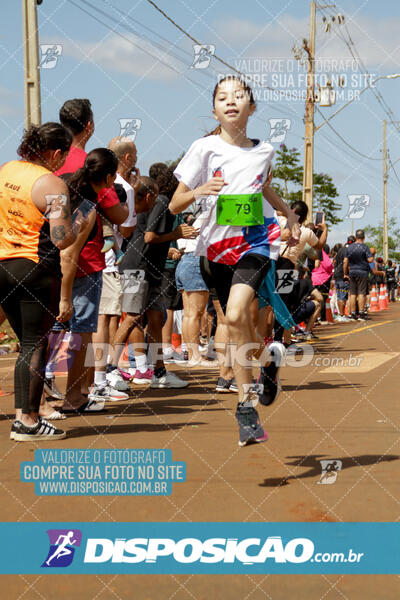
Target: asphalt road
(340, 406)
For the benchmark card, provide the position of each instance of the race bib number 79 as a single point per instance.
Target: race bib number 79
(240, 210)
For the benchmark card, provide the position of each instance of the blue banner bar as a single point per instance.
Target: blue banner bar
(213, 548)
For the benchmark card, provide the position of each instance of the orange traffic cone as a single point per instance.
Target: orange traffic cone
(386, 295)
(328, 312)
(382, 303)
(374, 307)
(176, 340)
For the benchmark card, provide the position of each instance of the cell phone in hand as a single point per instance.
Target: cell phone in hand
(84, 209)
(319, 217)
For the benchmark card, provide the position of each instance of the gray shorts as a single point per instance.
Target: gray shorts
(138, 295)
(111, 294)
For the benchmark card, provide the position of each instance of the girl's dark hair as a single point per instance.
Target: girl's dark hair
(300, 208)
(156, 169)
(246, 88)
(146, 185)
(99, 163)
(164, 178)
(38, 139)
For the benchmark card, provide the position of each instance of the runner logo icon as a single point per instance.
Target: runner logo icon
(330, 470)
(62, 547)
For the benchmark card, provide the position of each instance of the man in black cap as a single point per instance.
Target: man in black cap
(356, 265)
(342, 282)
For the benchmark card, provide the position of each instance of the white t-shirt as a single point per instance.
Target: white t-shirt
(130, 222)
(307, 236)
(245, 170)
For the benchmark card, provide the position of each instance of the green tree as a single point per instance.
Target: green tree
(288, 183)
(374, 235)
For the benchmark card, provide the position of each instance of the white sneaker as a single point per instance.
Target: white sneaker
(169, 380)
(116, 381)
(106, 392)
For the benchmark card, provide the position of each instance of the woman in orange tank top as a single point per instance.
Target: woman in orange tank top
(35, 223)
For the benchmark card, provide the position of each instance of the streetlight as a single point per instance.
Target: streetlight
(385, 169)
(392, 76)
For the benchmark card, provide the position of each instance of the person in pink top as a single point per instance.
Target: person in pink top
(321, 276)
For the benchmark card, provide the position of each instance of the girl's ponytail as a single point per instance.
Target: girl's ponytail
(98, 164)
(215, 131)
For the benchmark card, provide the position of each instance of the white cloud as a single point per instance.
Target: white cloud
(377, 40)
(119, 54)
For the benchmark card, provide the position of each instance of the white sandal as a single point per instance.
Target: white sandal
(56, 415)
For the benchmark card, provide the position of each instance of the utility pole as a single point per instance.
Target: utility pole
(33, 113)
(385, 215)
(308, 171)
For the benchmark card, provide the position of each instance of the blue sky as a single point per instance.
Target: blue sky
(139, 67)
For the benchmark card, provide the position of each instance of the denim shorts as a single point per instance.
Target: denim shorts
(342, 289)
(188, 276)
(86, 294)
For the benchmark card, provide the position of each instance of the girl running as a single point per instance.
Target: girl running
(240, 234)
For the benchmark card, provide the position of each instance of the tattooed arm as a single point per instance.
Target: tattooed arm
(50, 195)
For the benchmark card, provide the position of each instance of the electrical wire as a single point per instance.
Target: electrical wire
(206, 72)
(356, 56)
(345, 142)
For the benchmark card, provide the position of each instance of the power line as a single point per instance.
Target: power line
(345, 142)
(130, 41)
(187, 64)
(356, 56)
(164, 14)
(392, 166)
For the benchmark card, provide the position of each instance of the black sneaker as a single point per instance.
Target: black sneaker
(268, 377)
(15, 427)
(250, 428)
(42, 431)
(363, 316)
(223, 385)
(233, 387)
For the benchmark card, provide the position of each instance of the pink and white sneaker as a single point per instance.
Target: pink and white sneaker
(125, 375)
(143, 378)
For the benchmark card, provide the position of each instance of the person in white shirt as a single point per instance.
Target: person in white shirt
(239, 235)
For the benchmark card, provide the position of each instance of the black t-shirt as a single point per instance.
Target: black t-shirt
(391, 274)
(338, 273)
(149, 257)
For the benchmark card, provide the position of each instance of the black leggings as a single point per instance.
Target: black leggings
(29, 296)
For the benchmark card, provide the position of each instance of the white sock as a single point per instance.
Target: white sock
(100, 378)
(141, 362)
(49, 374)
(183, 347)
(109, 359)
